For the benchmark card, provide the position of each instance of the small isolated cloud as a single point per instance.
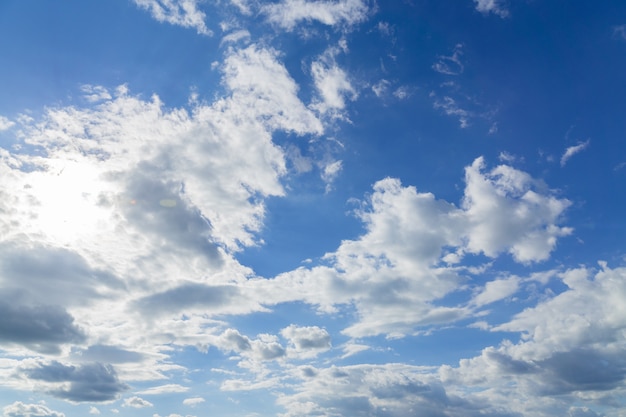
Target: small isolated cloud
(491, 6)
(332, 83)
(164, 389)
(137, 402)
(573, 150)
(95, 93)
(450, 65)
(183, 13)
(451, 108)
(381, 87)
(496, 290)
(19, 409)
(236, 36)
(288, 13)
(94, 410)
(192, 402)
(5, 123)
(619, 32)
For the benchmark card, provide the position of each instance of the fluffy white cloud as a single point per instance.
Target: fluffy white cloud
(137, 402)
(288, 13)
(496, 290)
(127, 229)
(492, 6)
(406, 259)
(306, 341)
(508, 210)
(5, 123)
(177, 12)
(331, 83)
(19, 409)
(192, 402)
(571, 349)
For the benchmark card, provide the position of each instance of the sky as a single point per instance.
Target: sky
(291, 208)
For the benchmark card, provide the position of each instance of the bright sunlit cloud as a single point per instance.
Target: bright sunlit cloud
(312, 208)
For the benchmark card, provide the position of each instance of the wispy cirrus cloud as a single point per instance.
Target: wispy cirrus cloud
(185, 13)
(451, 64)
(288, 13)
(573, 150)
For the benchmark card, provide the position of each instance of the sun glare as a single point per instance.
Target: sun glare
(68, 210)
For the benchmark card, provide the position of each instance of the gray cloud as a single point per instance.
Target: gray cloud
(582, 370)
(190, 296)
(93, 382)
(19, 409)
(47, 275)
(108, 354)
(41, 328)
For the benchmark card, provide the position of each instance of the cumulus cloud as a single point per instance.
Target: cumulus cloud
(93, 382)
(496, 290)
(40, 328)
(573, 150)
(137, 402)
(306, 341)
(5, 123)
(19, 409)
(183, 13)
(331, 83)
(192, 402)
(406, 258)
(390, 390)
(496, 7)
(288, 13)
(507, 210)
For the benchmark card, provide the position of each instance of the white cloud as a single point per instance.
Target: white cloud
(397, 263)
(288, 13)
(5, 123)
(95, 93)
(496, 290)
(331, 83)
(507, 211)
(451, 108)
(94, 410)
(492, 6)
(450, 65)
(573, 150)
(619, 32)
(381, 87)
(183, 13)
(571, 346)
(164, 389)
(306, 341)
(137, 402)
(192, 402)
(19, 409)
(236, 36)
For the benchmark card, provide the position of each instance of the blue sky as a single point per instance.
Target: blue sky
(312, 208)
